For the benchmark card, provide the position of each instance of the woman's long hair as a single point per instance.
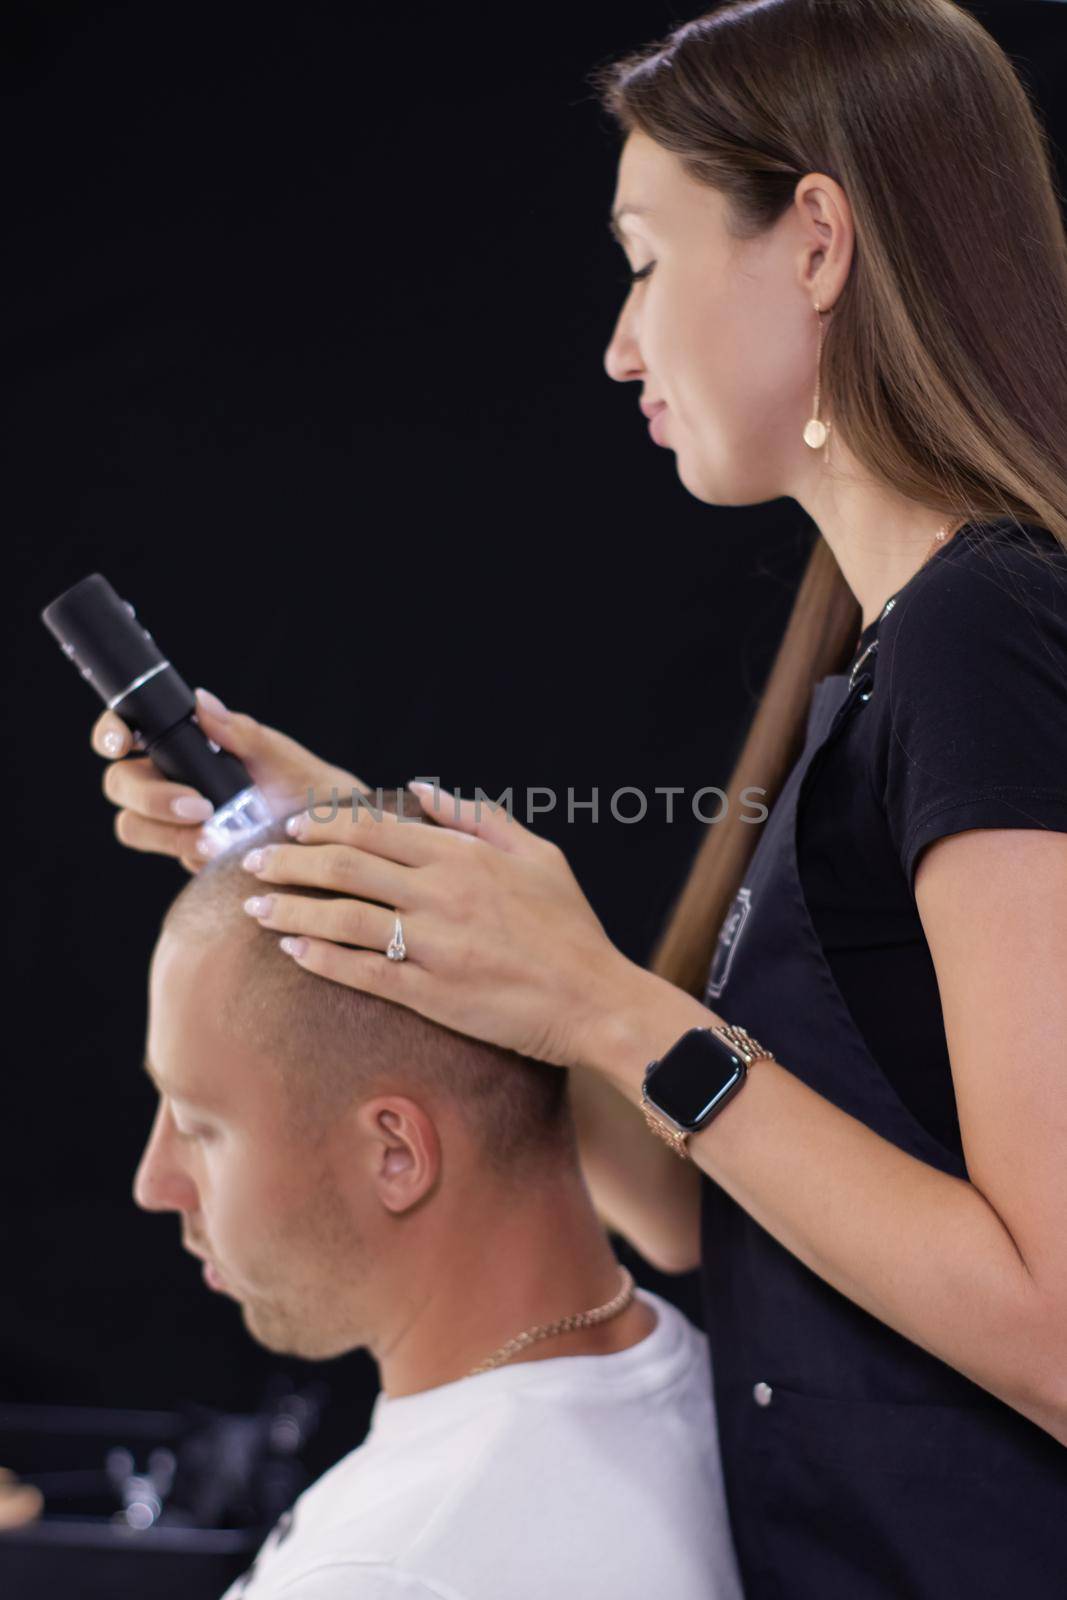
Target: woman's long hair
(945, 359)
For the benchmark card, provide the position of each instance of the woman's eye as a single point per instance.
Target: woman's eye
(636, 277)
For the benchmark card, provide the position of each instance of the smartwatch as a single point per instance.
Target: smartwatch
(688, 1086)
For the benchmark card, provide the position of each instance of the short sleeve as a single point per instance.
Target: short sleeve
(972, 679)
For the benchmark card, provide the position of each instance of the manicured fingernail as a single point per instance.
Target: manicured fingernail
(294, 826)
(253, 861)
(193, 807)
(259, 905)
(212, 703)
(293, 947)
(207, 847)
(112, 742)
(420, 787)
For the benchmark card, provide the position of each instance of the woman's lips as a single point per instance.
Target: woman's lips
(655, 425)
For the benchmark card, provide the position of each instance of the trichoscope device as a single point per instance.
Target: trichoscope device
(100, 634)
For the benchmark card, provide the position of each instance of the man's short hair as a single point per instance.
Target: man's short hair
(333, 1044)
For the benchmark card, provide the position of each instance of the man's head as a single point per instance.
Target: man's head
(313, 1137)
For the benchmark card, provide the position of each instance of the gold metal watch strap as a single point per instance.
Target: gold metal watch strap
(741, 1040)
(677, 1140)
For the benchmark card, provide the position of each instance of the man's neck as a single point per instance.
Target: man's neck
(491, 1276)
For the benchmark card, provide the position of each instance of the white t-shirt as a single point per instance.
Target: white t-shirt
(573, 1476)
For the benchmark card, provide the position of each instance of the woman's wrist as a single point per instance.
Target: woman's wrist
(641, 1018)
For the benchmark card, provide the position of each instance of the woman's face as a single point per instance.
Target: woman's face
(722, 330)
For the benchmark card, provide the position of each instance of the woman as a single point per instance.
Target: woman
(850, 287)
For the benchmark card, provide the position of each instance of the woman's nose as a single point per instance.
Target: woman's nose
(621, 359)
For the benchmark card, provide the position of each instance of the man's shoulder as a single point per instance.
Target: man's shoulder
(340, 1580)
(618, 1453)
(637, 1419)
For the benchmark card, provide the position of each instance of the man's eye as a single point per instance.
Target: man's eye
(636, 277)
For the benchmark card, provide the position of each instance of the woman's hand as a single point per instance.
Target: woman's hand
(164, 818)
(501, 942)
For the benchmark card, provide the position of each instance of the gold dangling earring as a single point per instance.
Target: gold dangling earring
(816, 433)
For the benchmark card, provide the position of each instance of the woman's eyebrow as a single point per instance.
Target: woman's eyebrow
(613, 220)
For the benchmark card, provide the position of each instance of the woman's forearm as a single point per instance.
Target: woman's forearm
(921, 1250)
(639, 1187)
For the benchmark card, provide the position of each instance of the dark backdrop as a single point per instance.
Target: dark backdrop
(304, 330)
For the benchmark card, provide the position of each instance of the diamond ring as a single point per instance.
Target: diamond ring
(397, 949)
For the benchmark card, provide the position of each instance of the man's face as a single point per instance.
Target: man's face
(264, 1206)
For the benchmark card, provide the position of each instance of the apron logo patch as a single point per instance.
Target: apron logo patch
(729, 935)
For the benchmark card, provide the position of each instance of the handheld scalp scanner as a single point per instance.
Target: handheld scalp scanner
(100, 633)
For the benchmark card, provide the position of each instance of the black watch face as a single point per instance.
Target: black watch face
(693, 1079)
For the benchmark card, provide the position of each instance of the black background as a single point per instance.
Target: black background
(304, 331)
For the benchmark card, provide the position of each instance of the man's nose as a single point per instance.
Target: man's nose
(160, 1184)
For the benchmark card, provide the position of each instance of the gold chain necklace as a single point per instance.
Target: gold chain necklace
(577, 1319)
(940, 538)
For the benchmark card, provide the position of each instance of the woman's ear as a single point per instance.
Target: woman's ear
(402, 1148)
(826, 217)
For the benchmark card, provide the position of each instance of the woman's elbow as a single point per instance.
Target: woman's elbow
(675, 1264)
(671, 1253)
(1039, 1383)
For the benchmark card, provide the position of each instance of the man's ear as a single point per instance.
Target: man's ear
(402, 1150)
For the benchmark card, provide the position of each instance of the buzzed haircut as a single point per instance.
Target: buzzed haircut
(333, 1045)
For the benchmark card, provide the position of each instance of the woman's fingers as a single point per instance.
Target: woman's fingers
(111, 737)
(375, 830)
(155, 815)
(330, 866)
(283, 769)
(139, 786)
(160, 838)
(160, 817)
(343, 921)
(481, 819)
(404, 982)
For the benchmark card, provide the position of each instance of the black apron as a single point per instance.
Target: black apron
(857, 1465)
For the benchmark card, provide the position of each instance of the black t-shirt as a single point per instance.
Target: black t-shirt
(966, 727)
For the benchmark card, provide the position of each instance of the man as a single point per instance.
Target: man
(354, 1175)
